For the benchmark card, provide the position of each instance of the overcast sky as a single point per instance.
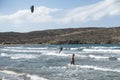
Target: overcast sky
(15, 15)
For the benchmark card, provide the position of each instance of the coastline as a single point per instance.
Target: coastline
(64, 36)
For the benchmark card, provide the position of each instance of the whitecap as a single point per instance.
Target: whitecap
(92, 57)
(35, 77)
(74, 48)
(15, 50)
(13, 47)
(97, 57)
(102, 50)
(37, 48)
(56, 54)
(3, 54)
(9, 72)
(103, 47)
(28, 76)
(80, 67)
(20, 56)
(95, 68)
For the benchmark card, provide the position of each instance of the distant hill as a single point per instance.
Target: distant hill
(64, 36)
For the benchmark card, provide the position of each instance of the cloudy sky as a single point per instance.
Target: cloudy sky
(15, 15)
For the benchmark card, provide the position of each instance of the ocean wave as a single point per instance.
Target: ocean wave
(32, 56)
(23, 50)
(35, 77)
(74, 48)
(103, 47)
(27, 49)
(19, 56)
(43, 48)
(88, 67)
(97, 57)
(95, 47)
(36, 50)
(102, 50)
(22, 76)
(77, 48)
(97, 68)
(14, 47)
(56, 54)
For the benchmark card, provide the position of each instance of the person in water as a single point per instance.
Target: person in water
(61, 49)
(72, 59)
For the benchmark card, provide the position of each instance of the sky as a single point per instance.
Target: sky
(15, 15)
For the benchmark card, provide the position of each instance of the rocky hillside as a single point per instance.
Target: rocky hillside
(64, 36)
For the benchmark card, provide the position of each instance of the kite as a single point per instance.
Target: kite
(32, 8)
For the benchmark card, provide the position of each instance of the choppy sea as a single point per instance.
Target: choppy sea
(44, 62)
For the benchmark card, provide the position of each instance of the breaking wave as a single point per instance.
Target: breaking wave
(19, 50)
(102, 50)
(19, 76)
(19, 56)
(32, 56)
(88, 67)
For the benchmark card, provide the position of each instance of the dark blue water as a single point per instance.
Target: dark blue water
(44, 62)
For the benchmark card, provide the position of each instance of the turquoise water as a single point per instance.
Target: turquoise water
(44, 62)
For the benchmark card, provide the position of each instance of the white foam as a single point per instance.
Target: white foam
(77, 48)
(31, 77)
(97, 57)
(25, 56)
(103, 47)
(102, 50)
(57, 67)
(92, 57)
(18, 50)
(97, 68)
(23, 50)
(19, 56)
(78, 55)
(15, 50)
(13, 47)
(74, 48)
(37, 48)
(5, 49)
(89, 67)
(32, 56)
(8, 72)
(56, 54)
(35, 77)
(3, 54)
(118, 59)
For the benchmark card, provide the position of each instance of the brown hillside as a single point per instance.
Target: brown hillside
(64, 36)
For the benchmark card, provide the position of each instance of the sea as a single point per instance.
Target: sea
(44, 62)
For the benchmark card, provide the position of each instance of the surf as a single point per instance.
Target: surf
(20, 76)
(19, 56)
